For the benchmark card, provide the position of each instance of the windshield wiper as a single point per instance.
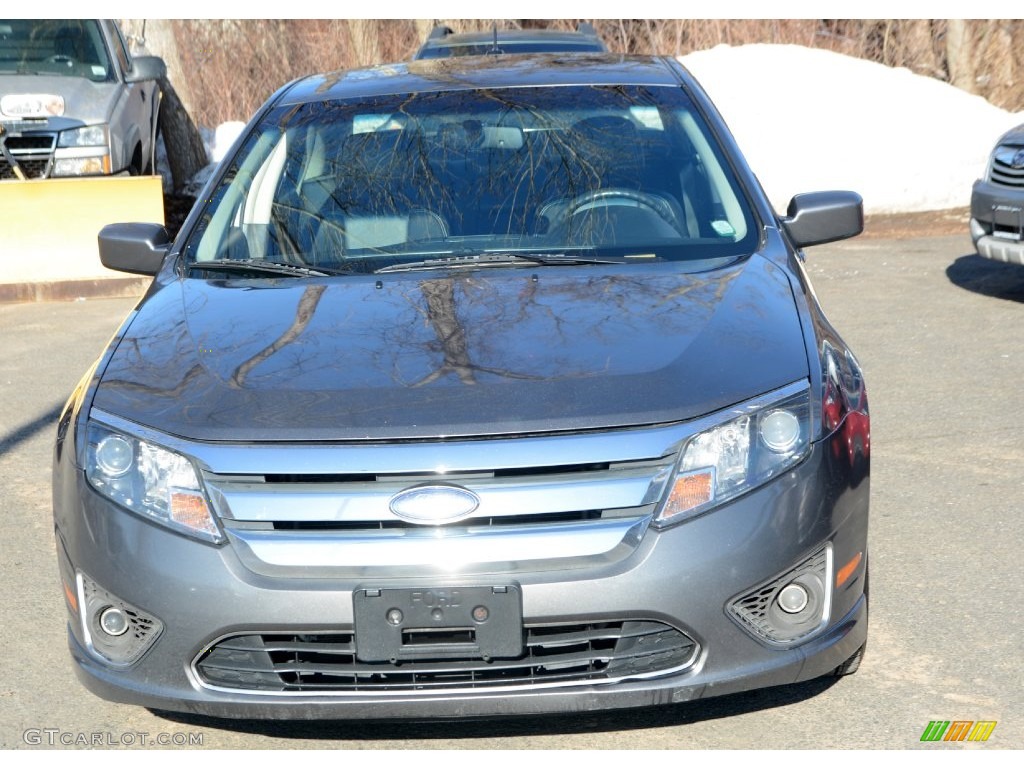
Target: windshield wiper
(263, 266)
(499, 260)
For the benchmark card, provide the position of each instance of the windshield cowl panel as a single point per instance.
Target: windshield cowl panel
(590, 173)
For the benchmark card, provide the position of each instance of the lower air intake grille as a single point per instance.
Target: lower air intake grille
(33, 169)
(554, 655)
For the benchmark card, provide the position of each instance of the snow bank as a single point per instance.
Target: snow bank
(808, 119)
(224, 137)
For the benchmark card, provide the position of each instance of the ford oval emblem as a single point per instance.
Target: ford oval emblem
(434, 504)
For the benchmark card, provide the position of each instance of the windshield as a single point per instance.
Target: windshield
(584, 173)
(70, 47)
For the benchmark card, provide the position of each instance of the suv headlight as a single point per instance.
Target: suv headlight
(750, 445)
(154, 482)
(82, 151)
(87, 136)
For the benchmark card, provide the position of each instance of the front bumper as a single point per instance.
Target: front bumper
(997, 222)
(683, 577)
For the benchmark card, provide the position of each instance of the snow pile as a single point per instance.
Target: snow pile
(223, 138)
(808, 119)
(217, 142)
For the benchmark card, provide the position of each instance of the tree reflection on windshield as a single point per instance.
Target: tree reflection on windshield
(622, 170)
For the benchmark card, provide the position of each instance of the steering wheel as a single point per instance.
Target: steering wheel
(60, 58)
(606, 198)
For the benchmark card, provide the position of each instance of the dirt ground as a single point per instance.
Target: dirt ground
(923, 224)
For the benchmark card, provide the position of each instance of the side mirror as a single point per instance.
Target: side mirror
(135, 248)
(814, 218)
(146, 68)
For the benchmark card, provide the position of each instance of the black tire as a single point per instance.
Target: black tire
(852, 664)
(135, 169)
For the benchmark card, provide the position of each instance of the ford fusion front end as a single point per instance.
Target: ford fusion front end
(487, 400)
(566, 578)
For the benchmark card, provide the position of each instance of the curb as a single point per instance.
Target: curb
(70, 290)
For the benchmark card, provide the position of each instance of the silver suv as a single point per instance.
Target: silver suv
(997, 202)
(471, 387)
(73, 101)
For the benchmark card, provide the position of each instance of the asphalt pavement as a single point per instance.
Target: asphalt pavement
(937, 330)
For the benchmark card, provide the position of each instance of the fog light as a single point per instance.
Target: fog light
(792, 607)
(793, 598)
(113, 621)
(114, 630)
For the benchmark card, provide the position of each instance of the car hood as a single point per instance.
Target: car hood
(425, 355)
(85, 102)
(1013, 136)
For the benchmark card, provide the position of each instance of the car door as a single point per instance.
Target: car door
(133, 123)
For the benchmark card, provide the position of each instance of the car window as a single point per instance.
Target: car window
(508, 47)
(66, 47)
(625, 172)
(121, 51)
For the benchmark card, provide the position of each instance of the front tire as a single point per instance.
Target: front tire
(852, 664)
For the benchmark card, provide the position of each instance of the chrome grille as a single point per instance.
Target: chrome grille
(33, 152)
(564, 654)
(1003, 171)
(524, 514)
(363, 500)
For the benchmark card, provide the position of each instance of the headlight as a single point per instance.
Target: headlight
(82, 166)
(149, 480)
(752, 444)
(88, 136)
(82, 152)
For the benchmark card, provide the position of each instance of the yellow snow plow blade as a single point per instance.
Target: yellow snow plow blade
(49, 226)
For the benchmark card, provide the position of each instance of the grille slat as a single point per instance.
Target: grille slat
(362, 503)
(31, 144)
(1003, 171)
(345, 523)
(553, 655)
(569, 638)
(299, 645)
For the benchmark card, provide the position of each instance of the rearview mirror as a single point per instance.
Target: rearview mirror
(135, 248)
(814, 218)
(146, 68)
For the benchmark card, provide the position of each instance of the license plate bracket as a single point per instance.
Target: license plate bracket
(398, 625)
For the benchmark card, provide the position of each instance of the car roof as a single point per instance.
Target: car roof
(477, 72)
(444, 42)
